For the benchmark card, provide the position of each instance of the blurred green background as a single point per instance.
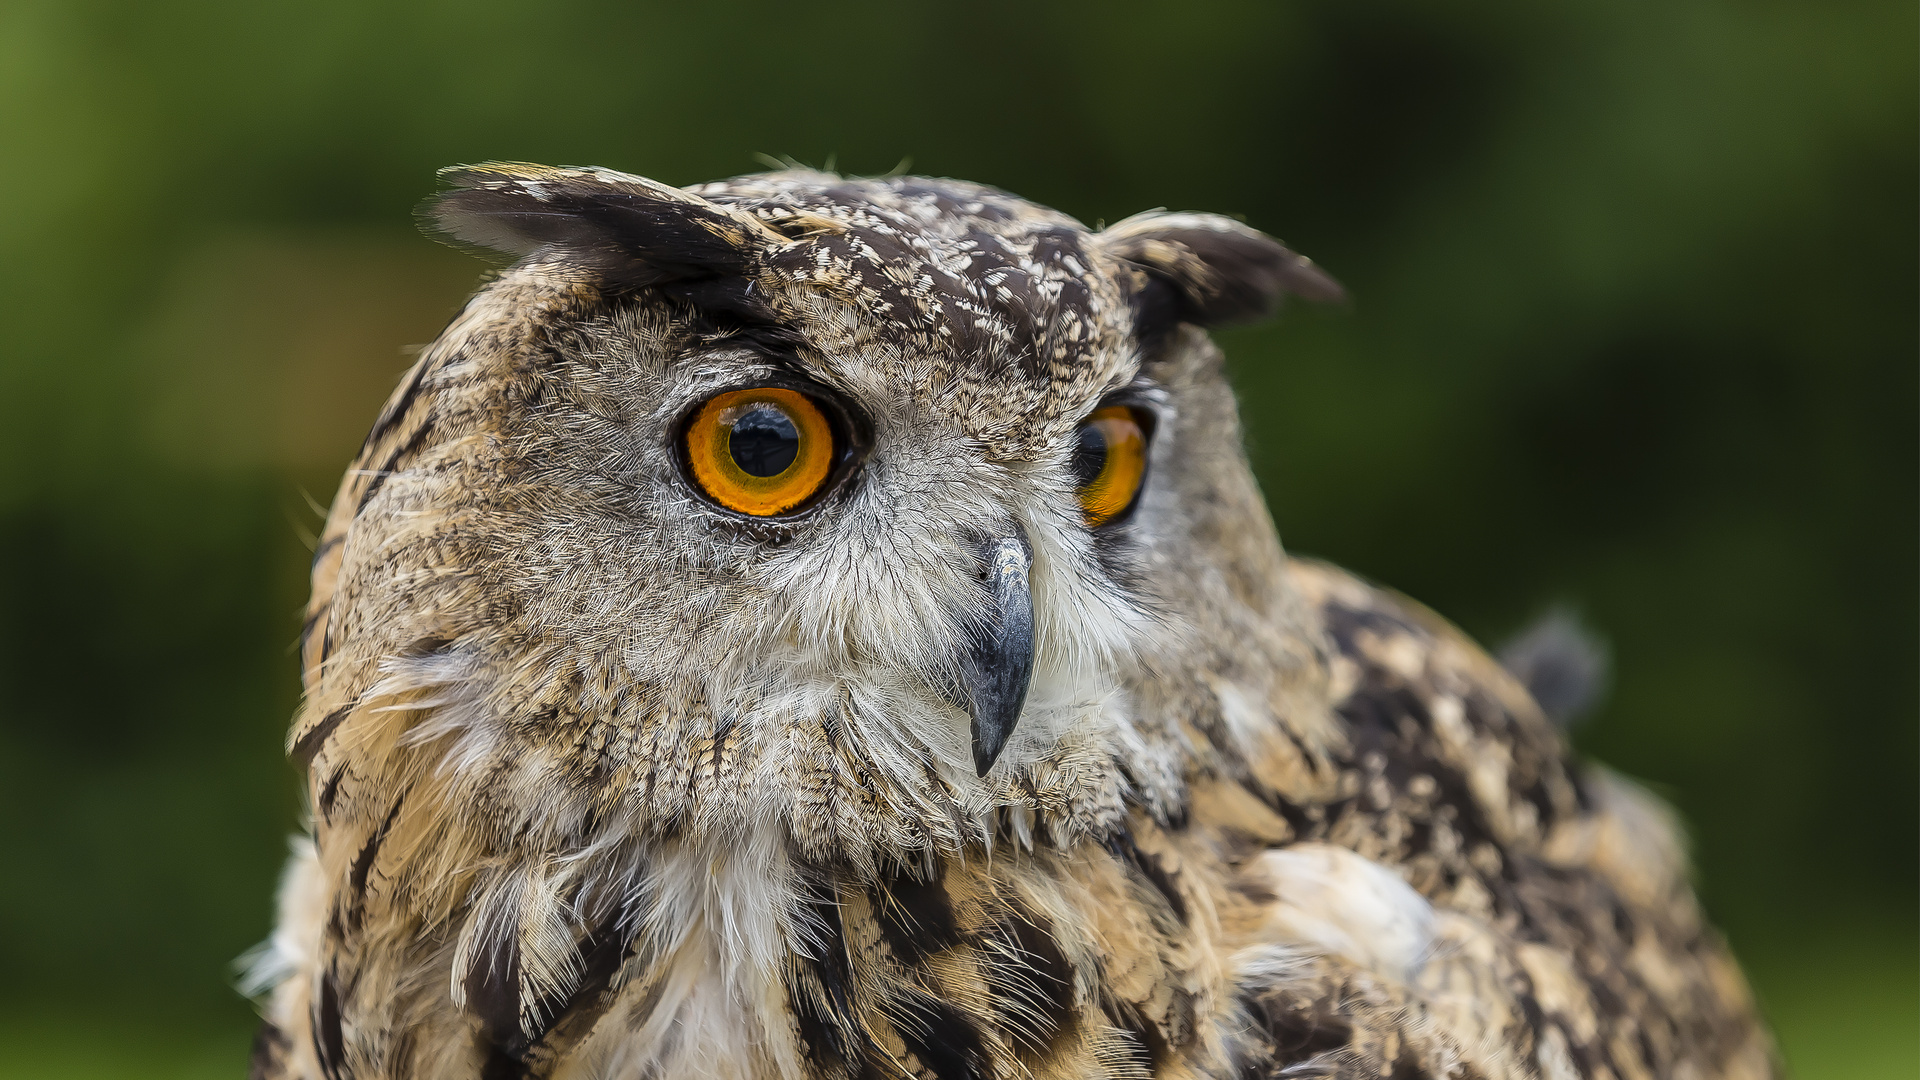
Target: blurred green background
(1634, 331)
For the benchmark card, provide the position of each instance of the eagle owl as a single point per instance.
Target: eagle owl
(805, 627)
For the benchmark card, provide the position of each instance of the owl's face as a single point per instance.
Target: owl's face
(883, 512)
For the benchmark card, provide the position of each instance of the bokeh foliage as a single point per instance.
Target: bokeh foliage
(1635, 331)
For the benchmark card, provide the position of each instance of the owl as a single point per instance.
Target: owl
(812, 628)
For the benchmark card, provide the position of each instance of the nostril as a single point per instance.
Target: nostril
(999, 554)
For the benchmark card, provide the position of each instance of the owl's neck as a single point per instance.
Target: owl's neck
(716, 926)
(745, 962)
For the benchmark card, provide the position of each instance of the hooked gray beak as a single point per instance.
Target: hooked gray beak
(1000, 663)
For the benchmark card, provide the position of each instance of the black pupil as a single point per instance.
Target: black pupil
(764, 442)
(1090, 456)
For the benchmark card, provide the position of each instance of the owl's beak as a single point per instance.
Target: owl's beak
(1001, 661)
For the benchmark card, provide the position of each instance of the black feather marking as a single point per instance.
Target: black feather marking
(393, 462)
(946, 1040)
(602, 949)
(426, 646)
(307, 626)
(1389, 725)
(826, 1018)
(1182, 1023)
(1296, 1032)
(1149, 1043)
(398, 406)
(500, 1065)
(309, 745)
(1407, 1067)
(373, 488)
(916, 916)
(363, 861)
(329, 1042)
(326, 645)
(823, 998)
(1145, 866)
(492, 984)
(1032, 980)
(330, 792)
(820, 1039)
(1345, 623)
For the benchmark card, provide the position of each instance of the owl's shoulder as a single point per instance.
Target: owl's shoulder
(1452, 774)
(1468, 894)
(1378, 635)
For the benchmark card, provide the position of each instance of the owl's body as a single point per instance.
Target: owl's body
(942, 768)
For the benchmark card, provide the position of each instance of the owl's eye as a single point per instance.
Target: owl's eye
(1110, 462)
(763, 451)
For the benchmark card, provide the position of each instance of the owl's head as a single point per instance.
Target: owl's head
(885, 512)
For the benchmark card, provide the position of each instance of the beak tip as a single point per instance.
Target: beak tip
(988, 740)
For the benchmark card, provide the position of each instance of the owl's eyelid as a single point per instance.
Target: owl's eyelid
(848, 416)
(718, 367)
(1141, 395)
(1148, 404)
(683, 401)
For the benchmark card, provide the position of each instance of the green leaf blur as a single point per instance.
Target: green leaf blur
(1634, 330)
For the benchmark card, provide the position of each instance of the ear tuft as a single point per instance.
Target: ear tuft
(628, 230)
(1221, 270)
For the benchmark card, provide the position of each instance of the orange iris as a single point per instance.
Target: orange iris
(1110, 462)
(762, 451)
